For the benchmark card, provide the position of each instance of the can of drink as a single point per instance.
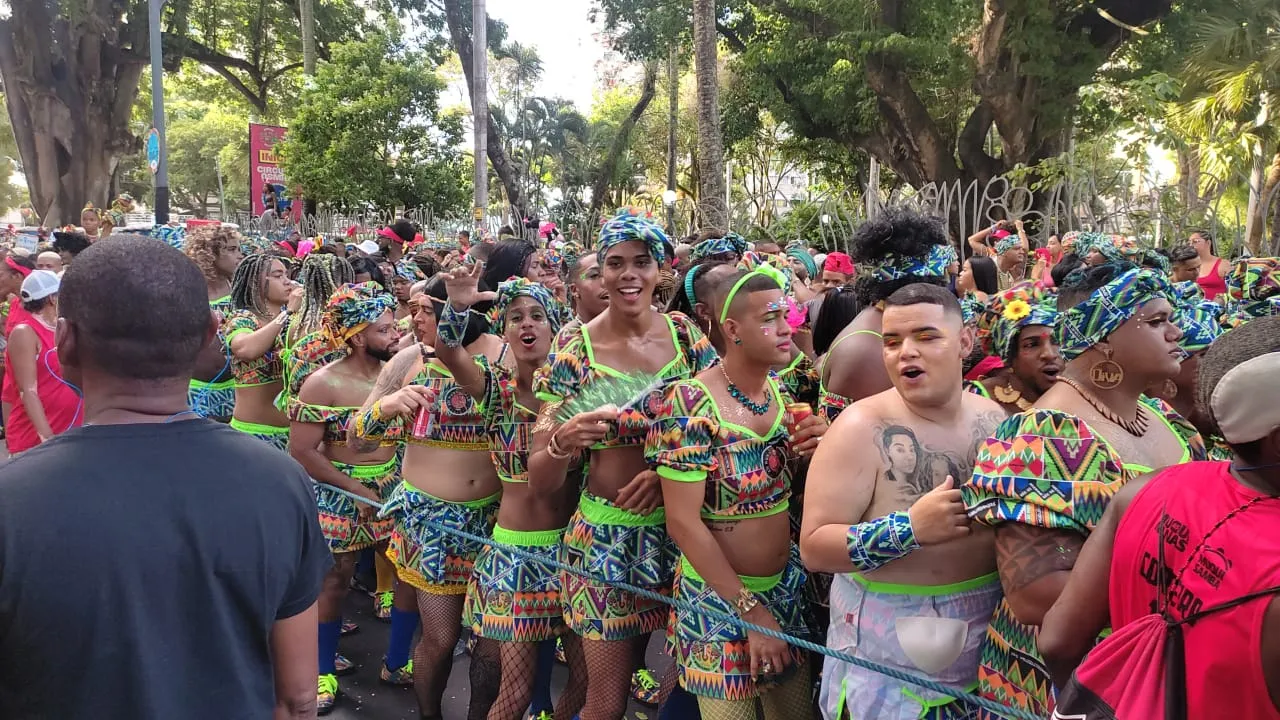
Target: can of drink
(422, 422)
(797, 412)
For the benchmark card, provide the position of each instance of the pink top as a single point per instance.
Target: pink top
(62, 405)
(1224, 649)
(17, 316)
(1212, 284)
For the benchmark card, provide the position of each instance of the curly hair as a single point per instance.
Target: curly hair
(900, 232)
(205, 242)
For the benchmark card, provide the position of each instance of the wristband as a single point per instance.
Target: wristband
(745, 602)
(371, 425)
(876, 543)
(453, 325)
(555, 451)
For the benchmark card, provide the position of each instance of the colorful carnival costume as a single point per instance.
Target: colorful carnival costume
(1253, 290)
(425, 557)
(265, 370)
(603, 540)
(746, 476)
(216, 399)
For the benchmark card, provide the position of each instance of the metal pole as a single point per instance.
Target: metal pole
(728, 187)
(673, 109)
(480, 108)
(157, 112)
(222, 199)
(873, 189)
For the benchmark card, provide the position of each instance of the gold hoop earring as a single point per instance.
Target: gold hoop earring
(1106, 374)
(1170, 389)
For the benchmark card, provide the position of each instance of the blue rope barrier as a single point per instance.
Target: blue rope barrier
(1000, 710)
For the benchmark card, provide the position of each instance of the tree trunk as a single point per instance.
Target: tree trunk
(307, 11)
(711, 185)
(70, 85)
(456, 18)
(600, 186)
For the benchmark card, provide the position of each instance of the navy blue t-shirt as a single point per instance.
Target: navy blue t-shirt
(142, 568)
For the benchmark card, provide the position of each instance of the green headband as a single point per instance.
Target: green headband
(764, 269)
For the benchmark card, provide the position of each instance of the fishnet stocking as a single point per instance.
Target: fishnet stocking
(485, 674)
(441, 617)
(611, 663)
(788, 700)
(575, 691)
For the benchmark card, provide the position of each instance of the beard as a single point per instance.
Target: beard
(384, 353)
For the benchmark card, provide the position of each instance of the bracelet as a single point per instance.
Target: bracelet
(876, 543)
(745, 602)
(452, 327)
(555, 451)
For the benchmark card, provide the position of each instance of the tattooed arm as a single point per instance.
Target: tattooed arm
(1034, 565)
(371, 424)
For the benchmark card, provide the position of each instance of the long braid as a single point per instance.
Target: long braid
(321, 275)
(248, 285)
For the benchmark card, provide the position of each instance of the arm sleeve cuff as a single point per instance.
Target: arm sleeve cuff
(669, 473)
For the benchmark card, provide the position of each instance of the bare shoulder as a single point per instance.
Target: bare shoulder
(317, 389)
(856, 422)
(985, 414)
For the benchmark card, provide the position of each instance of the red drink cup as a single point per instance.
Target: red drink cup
(422, 422)
(796, 412)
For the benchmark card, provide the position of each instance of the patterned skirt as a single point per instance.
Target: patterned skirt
(427, 556)
(712, 654)
(215, 401)
(512, 598)
(276, 437)
(610, 545)
(340, 515)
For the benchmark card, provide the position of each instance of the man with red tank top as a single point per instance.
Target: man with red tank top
(1208, 534)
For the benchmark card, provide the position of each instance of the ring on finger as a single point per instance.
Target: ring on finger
(767, 668)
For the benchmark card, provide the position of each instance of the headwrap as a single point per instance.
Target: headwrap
(569, 253)
(838, 262)
(441, 244)
(1153, 259)
(731, 244)
(1069, 241)
(408, 270)
(1107, 308)
(1004, 241)
(1253, 286)
(1198, 319)
(971, 308)
(800, 254)
(172, 235)
(892, 267)
(1009, 311)
(517, 287)
(353, 307)
(754, 265)
(626, 226)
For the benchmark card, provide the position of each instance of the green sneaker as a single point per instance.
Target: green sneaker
(542, 715)
(403, 676)
(326, 694)
(644, 688)
(382, 603)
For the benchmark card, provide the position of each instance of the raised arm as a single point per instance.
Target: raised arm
(978, 241)
(461, 284)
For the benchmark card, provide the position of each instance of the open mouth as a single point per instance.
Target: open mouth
(1051, 371)
(528, 339)
(911, 372)
(630, 294)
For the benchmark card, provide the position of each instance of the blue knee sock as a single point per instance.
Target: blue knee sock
(403, 624)
(681, 705)
(541, 699)
(329, 634)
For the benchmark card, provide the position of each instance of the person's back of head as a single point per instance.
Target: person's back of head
(899, 247)
(1251, 340)
(129, 324)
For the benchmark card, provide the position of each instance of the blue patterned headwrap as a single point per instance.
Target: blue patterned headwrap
(801, 254)
(1200, 320)
(1253, 290)
(892, 267)
(518, 287)
(1007, 243)
(626, 226)
(1009, 311)
(731, 244)
(1107, 308)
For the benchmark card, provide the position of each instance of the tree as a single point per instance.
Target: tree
(370, 134)
(711, 183)
(621, 139)
(11, 195)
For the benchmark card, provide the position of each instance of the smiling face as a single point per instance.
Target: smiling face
(630, 274)
(528, 331)
(1036, 360)
(924, 351)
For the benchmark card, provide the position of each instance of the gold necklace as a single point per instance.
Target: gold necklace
(1008, 394)
(1136, 427)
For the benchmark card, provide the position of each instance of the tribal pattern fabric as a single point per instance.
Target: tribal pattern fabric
(261, 371)
(728, 248)
(509, 290)
(892, 267)
(977, 388)
(509, 424)
(215, 401)
(746, 475)
(627, 225)
(830, 405)
(609, 553)
(1200, 320)
(336, 420)
(1253, 286)
(277, 438)
(712, 654)
(457, 422)
(1046, 469)
(1107, 308)
(801, 380)
(1008, 311)
(425, 556)
(515, 599)
(340, 515)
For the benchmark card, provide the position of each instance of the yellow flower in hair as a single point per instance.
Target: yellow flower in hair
(1016, 310)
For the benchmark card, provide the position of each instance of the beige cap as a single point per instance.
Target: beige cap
(1246, 402)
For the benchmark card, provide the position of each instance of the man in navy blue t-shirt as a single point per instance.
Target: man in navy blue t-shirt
(152, 564)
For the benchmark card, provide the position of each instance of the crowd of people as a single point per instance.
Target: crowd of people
(1027, 476)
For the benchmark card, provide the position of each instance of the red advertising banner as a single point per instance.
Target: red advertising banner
(267, 187)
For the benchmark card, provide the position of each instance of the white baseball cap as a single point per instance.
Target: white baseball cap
(368, 247)
(39, 285)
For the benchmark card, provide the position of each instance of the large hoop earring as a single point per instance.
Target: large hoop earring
(1106, 374)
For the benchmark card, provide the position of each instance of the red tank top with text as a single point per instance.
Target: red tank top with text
(1223, 650)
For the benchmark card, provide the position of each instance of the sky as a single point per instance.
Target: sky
(564, 39)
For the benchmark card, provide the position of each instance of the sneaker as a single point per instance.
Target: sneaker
(403, 676)
(472, 639)
(382, 603)
(349, 628)
(644, 688)
(541, 715)
(560, 657)
(343, 666)
(326, 694)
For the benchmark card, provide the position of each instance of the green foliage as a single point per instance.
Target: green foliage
(370, 134)
(620, 392)
(11, 195)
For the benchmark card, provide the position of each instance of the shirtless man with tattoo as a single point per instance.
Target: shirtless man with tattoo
(915, 584)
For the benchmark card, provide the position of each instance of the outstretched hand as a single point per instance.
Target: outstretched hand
(463, 285)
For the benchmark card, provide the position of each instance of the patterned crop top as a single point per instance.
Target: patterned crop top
(261, 371)
(571, 367)
(747, 475)
(335, 419)
(509, 424)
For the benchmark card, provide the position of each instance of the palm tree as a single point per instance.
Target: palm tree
(711, 187)
(1233, 74)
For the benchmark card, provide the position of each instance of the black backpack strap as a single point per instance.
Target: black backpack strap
(1226, 605)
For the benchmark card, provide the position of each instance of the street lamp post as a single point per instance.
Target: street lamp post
(669, 200)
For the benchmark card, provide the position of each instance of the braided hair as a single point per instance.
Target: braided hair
(320, 276)
(248, 285)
